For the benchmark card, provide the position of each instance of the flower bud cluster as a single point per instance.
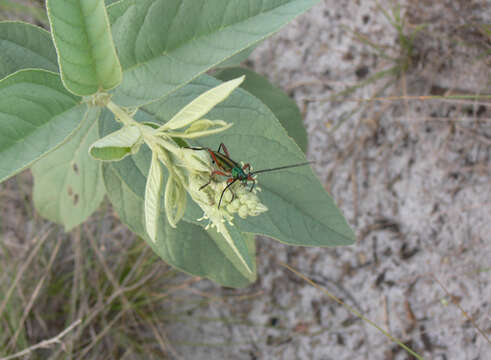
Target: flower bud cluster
(237, 199)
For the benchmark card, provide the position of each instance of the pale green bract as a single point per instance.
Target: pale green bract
(152, 197)
(202, 105)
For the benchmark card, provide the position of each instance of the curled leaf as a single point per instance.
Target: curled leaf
(152, 197)
(203, 128)
(117, 145)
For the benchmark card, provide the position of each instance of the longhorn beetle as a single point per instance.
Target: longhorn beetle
(233, 170)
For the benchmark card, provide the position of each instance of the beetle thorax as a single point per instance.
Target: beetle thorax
(238, 173)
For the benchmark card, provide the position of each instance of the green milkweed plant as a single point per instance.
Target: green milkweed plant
(117, 100)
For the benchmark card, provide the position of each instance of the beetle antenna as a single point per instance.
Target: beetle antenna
(281, 168)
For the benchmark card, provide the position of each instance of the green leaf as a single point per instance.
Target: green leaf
(86, 53)
(284, 108)
(68, 185)
(300, 211)
(117, 145)
(189, 248)
(238, 58)
(36, 115)
(25, 46)
(164, 44)
(237, 252)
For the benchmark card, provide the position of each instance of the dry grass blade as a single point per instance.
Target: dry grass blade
(36, 291)
(24, 267)
(107, 270)
(463, 311)
(100, 335)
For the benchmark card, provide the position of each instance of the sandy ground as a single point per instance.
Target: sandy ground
(413, 178)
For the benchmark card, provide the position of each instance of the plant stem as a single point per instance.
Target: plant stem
(120, 114)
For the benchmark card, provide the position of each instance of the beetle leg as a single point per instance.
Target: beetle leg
(253, 183)
(222, 146)
(205, 185)
(213, 173)
(230, 182)
(250, 178)
(217, 172)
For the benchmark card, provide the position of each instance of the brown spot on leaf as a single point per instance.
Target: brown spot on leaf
(69, 191)
(75, 168)
(75, 199)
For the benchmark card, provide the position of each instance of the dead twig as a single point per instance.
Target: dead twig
(44, 343)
